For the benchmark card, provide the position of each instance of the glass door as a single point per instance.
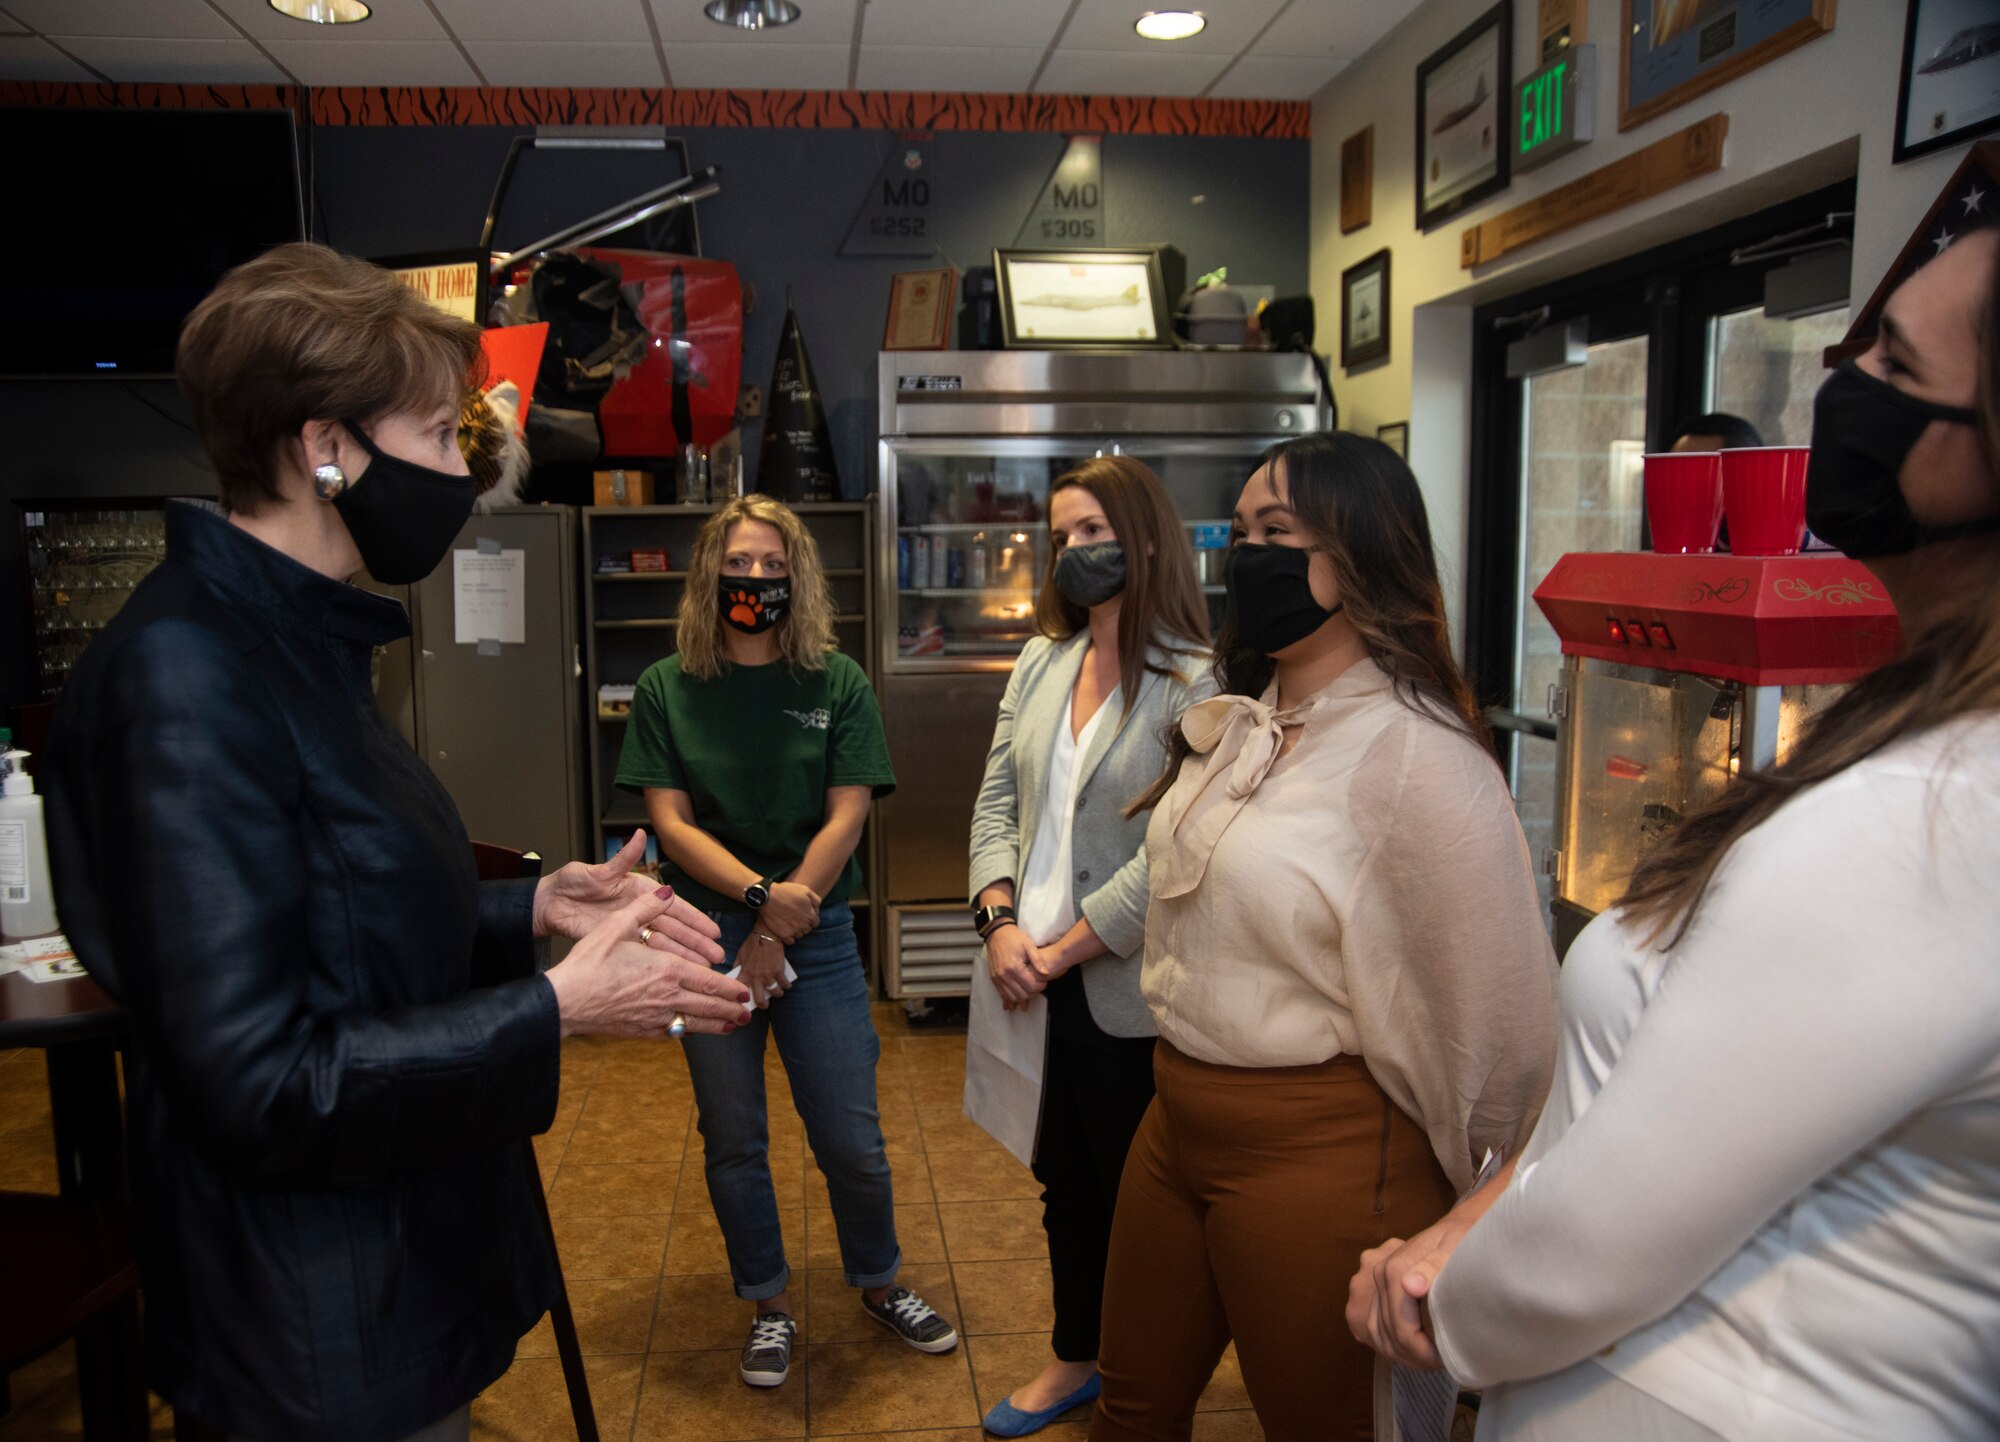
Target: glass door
(1583, 445)
(1767, 370)
(970, 539)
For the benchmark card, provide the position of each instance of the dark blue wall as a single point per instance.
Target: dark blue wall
(788, 197)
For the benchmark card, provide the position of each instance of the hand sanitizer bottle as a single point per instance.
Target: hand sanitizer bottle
(27, 899)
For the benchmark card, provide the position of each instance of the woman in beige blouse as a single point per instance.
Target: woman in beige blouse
(1345, 956)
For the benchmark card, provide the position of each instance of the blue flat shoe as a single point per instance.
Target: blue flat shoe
(1007, 1420)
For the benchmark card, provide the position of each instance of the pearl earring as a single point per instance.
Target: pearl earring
(329, 480)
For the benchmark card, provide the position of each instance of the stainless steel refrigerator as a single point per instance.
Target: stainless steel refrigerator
(970, 442)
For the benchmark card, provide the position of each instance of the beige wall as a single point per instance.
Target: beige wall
(1821, 113)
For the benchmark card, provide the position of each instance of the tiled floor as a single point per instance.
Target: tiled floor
(660, 1327)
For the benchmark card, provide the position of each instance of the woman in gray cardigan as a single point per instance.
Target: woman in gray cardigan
(1059, 872)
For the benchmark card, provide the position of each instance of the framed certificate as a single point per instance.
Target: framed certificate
(920, 309)
(1071, 299)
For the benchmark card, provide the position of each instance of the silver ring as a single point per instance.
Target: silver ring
(645, 936)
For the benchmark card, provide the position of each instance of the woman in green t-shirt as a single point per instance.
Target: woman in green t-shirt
(758, 749)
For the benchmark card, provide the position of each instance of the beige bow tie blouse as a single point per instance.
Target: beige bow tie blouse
(1368, 893)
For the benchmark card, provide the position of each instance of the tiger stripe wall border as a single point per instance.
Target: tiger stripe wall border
(798, 109)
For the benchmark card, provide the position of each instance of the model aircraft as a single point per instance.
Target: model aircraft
(1452, 117)
(1969, 45)
(1101, 300)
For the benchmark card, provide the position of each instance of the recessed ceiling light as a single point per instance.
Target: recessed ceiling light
(751, 14)
(323, 12)
(1170, 24)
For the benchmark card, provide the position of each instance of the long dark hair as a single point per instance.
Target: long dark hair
(1161, 593)
(1356, 500)
(1949, 668)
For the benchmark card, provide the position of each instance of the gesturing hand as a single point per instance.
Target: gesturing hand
(614, 983)
(579, 898)
(1011, 959)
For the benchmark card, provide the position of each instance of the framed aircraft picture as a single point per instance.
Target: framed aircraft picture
(1364, 311)
(1465, 111)
(1070, 299)
(1950, 88)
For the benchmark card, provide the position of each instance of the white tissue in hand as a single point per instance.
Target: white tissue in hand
(758, 997)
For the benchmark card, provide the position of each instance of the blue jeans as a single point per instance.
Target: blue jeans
(827, 1040)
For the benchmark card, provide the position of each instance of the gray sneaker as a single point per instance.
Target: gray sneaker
(767, 1354)
(911, 1318)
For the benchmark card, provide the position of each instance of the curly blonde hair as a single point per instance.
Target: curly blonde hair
(805, 634)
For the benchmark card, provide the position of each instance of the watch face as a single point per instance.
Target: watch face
(756, 894)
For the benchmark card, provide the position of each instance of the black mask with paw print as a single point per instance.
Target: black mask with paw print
(753, 604)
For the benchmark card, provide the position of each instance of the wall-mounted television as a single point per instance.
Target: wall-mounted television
(120, 221)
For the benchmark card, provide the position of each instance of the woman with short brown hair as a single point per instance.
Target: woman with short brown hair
(340, 1046)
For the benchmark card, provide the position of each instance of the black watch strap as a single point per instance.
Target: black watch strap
(985, 918)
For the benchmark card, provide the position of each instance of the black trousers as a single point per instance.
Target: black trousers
(1095, 1090)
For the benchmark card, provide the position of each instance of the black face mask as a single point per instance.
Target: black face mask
(1091, 575)
(1271, 603)
(753, 604)
(1863, 431)
(403, 516)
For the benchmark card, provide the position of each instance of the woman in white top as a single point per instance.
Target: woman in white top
(1764, 1200)
(1345, 955)
(1059, 882)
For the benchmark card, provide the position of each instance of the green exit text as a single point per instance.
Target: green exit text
(1542, 108)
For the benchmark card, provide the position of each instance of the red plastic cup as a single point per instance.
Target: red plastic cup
(1764, 492)
(1684, 501)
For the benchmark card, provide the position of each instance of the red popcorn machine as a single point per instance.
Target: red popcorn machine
(1679, 670)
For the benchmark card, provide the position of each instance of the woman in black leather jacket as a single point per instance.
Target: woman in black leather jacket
(341, 1046)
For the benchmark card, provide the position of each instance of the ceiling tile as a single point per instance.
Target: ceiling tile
(743, 67)
(897, 67)
(10, 26)
(28, 57)
(1014, 25)
(392, 20)
(1333, 27)
(580, 64)
(374, 62)
(1107, 25)
(176, 62)
(1120, 72)
(820, 22)
(166, 19)
(1277, 77)
(573, 21)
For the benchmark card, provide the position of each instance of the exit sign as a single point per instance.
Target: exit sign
(1556, 108)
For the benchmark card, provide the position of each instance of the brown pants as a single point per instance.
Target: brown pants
(1248, 1197)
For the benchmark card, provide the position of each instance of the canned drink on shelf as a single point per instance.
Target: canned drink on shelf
(902, 563)
(920, 563)
(975, 567)
(954, 568)
(940, 561)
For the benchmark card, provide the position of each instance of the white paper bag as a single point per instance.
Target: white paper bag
(1004, 1052)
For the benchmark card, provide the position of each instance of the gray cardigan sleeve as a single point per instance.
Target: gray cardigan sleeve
(1116, 911)
(996, 815)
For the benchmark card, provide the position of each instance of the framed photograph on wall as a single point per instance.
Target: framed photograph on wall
(1397, 438)
(1465, 116)
(1950, 89)
(1364, 311)
(1070, 299)
(1673, 50)
(920, 309)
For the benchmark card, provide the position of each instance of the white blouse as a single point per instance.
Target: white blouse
(1367, 893)
(1766, 1187)
(1045, 906)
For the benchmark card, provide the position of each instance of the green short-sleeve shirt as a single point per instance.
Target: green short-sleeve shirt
(756, 749)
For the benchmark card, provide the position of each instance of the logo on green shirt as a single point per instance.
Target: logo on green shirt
(818, 720)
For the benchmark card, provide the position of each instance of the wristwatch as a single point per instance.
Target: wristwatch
(985, 918)
(755, 895)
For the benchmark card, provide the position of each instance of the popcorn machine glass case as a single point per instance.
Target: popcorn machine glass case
(1677, 672)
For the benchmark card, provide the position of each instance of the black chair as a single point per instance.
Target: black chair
(501, 863)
